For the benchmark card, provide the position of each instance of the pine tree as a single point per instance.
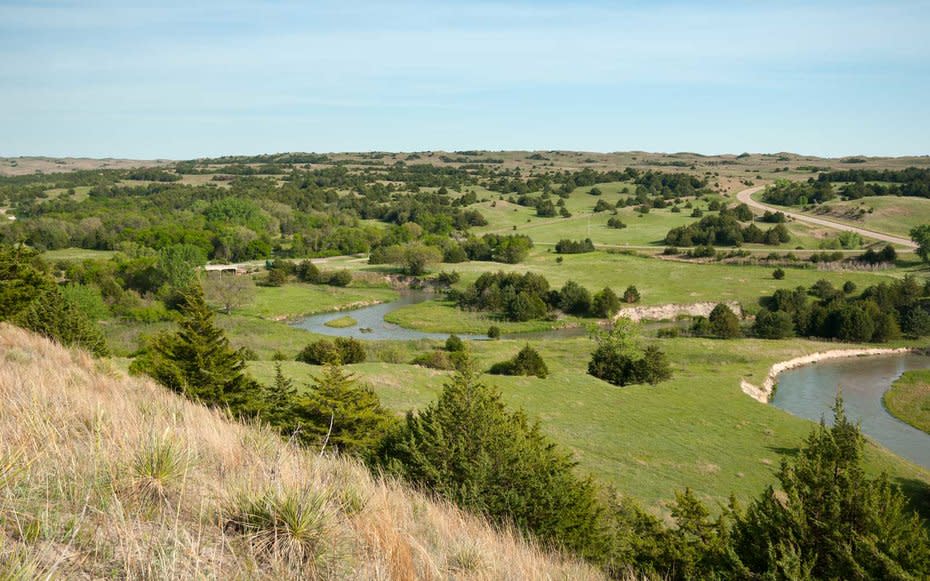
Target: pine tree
(829, 521)
(723, 322)
(57, 317)
(30, 299)
(341, 413)
(279, 400)
(468, 448)
(198, 360)
(22, 280)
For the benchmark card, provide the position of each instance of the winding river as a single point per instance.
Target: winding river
(371, 323)
(809, 392)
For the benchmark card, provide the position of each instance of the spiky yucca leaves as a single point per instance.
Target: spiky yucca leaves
(290, 525)
(157, 468)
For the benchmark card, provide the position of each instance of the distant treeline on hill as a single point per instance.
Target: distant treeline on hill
(857, 183)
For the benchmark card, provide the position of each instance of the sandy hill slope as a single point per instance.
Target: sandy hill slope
(102, 475)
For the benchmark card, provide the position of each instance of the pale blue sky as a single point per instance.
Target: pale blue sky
(186, 79)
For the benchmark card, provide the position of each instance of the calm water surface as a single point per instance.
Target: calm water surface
(809, 392)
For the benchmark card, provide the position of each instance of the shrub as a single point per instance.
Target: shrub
(320, 353)
(289, 526)
(339, 278)
(616, 223)
(435, 359)
(350, 350)
(778, 274)
(494, 332)
(526, 362)
(605, 304)
(447, 278)
(308, 272)
(849, 287)
(603, 206)
(575, 299)
(631, 295)
(454, 343)
(566, 246)
(344, 351)
(724, 323)
(276, 277)
(773, 325)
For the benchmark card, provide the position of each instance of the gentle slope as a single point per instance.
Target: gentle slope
(102, 475)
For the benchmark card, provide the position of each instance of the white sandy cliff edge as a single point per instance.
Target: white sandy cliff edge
(671, 311)
(764, 392)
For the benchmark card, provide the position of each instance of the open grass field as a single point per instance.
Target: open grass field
(890, 214)
(659, 281)
(79, 195)
(73, 254)
(442, 316)
(697, 430)
(909, 399)
(643, 230)
(296, 300)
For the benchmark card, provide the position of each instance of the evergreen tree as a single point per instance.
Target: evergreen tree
(197, 360)
(606, 303)
(22, 280)
(341, 413)
(829, 521)
(57, 317)
(724, 322)
(280, 399)
(30, 299)
(467, 447)
(631, 295)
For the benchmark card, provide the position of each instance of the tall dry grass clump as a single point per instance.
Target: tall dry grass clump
(103, 475)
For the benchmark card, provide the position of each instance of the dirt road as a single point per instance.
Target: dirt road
(745, 196)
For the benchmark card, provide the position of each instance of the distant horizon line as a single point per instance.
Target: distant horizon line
(427, 151)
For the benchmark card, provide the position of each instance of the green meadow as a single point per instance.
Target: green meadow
(697, 430)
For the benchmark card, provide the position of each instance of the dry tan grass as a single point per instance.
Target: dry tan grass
(102, 475)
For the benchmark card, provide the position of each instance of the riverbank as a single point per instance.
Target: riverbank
(908, 399)
(763, 393)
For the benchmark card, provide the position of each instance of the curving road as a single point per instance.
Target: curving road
(745, 196)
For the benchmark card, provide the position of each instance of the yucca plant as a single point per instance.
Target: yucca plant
(289, 525)
(157, 468)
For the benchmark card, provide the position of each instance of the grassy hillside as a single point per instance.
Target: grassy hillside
(890, 214)
(102, 475)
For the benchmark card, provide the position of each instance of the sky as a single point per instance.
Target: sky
(180, 80)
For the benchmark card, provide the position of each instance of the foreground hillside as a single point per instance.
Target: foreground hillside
(102, 475)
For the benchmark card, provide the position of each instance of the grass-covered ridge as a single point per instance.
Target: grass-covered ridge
(118, 474)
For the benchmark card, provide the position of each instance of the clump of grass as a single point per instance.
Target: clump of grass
(290, 525)
(341, 323)
(157, 468)
(466, 559)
